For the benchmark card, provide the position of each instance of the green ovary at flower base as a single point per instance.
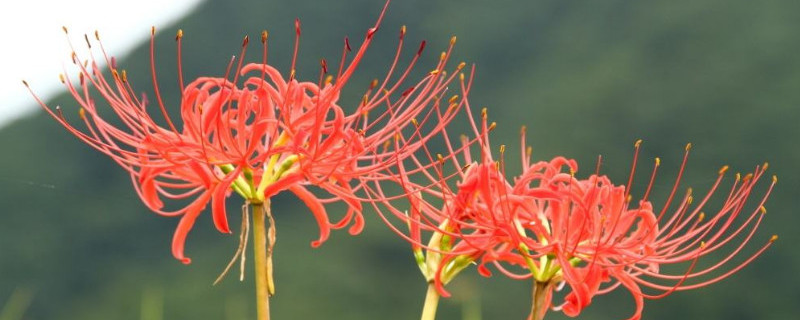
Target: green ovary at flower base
(437, 272)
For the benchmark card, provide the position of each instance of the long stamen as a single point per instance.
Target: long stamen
(178, 38)
(155, 81)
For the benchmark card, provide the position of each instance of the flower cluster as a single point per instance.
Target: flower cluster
(585, 234)
(259, 133)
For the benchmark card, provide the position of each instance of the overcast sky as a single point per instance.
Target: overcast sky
(34, 47)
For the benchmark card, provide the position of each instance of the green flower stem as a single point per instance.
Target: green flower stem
(538, 307)
(431, 302)
(263, 259)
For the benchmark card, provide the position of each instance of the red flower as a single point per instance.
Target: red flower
(559, 230)
(260, 133)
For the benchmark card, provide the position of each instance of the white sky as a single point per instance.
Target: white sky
(34, 47)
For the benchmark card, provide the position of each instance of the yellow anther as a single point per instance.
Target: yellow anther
(765, 166)
(61, 77)
(702, 244)
(484, 111)
(439, 157)
(434, 72)
(502, 148)
(701, 216)
(453, 99)
(658, 161)
(461, 77)
(763, 210)
(637, 143)
(124, 76)
(453, 40)
(414, 122)
(264, 36)
(628, 198)
(403, 30)
(528, 151)
(773, 238)
(492, 126)
(774, 179)
(364, 99)
(82, 113)
(153, 30)
(115, 73)
(443, 55)
(461, 65)
(688, 146)
(328, 80)
(738, 176)
(291, 74)
(523, 130)
(386, 144)
(373, 84)
(689, 200)
(747, 177)
(723, 169)
(179, 35)
(97, 35)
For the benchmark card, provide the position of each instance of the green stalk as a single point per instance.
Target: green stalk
(431, 302)
(538, 307)
(261, 260)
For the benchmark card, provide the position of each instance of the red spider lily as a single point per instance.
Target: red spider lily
(260, 132)
(581, 233)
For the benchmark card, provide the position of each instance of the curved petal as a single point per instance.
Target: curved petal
(218, 211)
(185, 225)
(317, 209)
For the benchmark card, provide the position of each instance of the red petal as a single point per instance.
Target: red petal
(317, 209)
(358, 224)
(149, 192)
(185, 225)
(218, 212)
(282, 184)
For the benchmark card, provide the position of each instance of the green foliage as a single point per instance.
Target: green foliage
(16, 305)
(586, 77)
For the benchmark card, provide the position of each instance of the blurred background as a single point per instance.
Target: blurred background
(586, 78)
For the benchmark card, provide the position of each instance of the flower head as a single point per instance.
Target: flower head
(583, 234)
(256, 131)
